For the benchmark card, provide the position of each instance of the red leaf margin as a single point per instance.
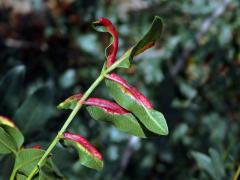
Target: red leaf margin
(83, 142)
(114, 46)
(135, 93)
(106, 105)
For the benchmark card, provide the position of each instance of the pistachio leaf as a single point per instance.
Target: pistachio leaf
(88, 154)
(123, 120)
(7, 143)
(111, 50)
(109, 112)
(148, 41)
(12, 131)
(134, 101)
(27, 159)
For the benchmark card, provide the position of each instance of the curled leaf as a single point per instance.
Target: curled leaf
(110, 112)
(134, 101)
(106, 105)
(89, 155)
(111, 50)
(137, 95)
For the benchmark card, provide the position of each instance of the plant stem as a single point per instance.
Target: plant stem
(66, 124)
(13, 175)
(72, 115)
(236, 175)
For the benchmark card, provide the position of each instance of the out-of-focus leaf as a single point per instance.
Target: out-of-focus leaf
(211, 164)
(203, 162)
(35, 110)
(217, 163)
(68, 78)
(134, 101)
(11, 87)
(88, 154)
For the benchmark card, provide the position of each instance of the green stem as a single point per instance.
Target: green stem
(72, 115)
(66, 124)
(236, 175)
(13, 175)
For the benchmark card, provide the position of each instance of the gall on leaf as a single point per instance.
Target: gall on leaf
(134, 101)
(88, 154)
(108, 106)
(136, 94)
(111, 50)
(109, 112)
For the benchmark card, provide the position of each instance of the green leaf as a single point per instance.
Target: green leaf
(49, 171)
(88, 154)
(11, 86)
(148, 40)
(20, 177)
(11, 129)
(124, 122)
(15, 134)
(7, 143)
(35, 110)
(217, 163)
(152, 119)
(114, 114)
(26, 160)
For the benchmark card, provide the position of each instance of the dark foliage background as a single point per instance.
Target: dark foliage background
(48, 51)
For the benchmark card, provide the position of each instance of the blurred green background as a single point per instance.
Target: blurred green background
(49, 51)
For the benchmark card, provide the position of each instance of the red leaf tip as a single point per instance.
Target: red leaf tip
(136, 94)
(83, 142)
(112, 51)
